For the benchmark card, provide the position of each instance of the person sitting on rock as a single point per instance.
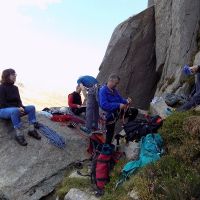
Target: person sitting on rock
(11, 107)
(195, 99)
(75, 102)
(113, 105)
(89, 87)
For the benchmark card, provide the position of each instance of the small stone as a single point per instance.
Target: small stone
(76, 194)
(134, 195)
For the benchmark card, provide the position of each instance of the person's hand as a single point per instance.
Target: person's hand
(78, 106)
(194, 69)
(122, 106)
(21, 110)
(129, 100)
(82, 86)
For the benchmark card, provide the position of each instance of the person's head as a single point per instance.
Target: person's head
(113, 81)
(78, 89)
(8, 76)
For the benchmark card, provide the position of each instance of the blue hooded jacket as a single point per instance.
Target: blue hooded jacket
(110, 101)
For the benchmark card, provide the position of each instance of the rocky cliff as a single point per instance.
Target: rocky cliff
(148, 50)
(177, 37)
(32, 172)
(131, 54)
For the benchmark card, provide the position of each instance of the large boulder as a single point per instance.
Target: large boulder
(150, 3)
(131, 55)
(177, 29)
(31, 172)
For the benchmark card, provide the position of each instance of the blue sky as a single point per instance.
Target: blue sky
(94, 18)
(53, 42)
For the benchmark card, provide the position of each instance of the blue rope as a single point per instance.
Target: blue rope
(52, 135)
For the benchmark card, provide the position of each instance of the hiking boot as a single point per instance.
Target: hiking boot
(85, 129)
(21, 140)
(34, 134)
(99, 193)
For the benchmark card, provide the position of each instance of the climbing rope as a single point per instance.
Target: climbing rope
(52, 135)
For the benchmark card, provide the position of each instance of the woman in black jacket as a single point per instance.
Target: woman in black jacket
(11, 107)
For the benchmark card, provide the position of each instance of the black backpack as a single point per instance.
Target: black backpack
(141, 127)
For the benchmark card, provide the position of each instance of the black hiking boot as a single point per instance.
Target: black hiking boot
(34, 134)
(21, 140)
(99, 193)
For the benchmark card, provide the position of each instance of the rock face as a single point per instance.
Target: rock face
(29, 173)
(132, 150)
(177, 29)
(131, 55)
(150, 3)
(76, 194)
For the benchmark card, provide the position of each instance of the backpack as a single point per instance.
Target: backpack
(103, 162)
(96, 142)
(101, 165)
(175, 100)
(141, 127)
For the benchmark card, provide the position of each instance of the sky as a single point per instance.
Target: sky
(50, 43)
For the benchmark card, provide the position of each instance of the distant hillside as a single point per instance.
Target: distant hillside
(42, 98)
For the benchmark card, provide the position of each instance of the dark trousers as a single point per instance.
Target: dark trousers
(78, 111)
(92, 110)
(131, 114)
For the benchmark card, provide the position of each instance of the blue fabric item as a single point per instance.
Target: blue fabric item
(110, 101)
(87, 81)
(13, 113)
(186, 70)
(52, 135)
(150, 151)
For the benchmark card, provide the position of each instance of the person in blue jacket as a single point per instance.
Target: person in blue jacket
(113, 104)
(195, 98)
(90, 84)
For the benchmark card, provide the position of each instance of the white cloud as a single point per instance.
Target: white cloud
(42, 4)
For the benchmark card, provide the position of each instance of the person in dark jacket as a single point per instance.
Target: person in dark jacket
(75, 102)
(90, 84)
(114, 105)
(11, 107)
(195, 98)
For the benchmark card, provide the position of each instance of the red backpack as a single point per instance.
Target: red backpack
(102, 163)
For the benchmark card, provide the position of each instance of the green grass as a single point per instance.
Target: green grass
(176, 176)
(68, 183)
